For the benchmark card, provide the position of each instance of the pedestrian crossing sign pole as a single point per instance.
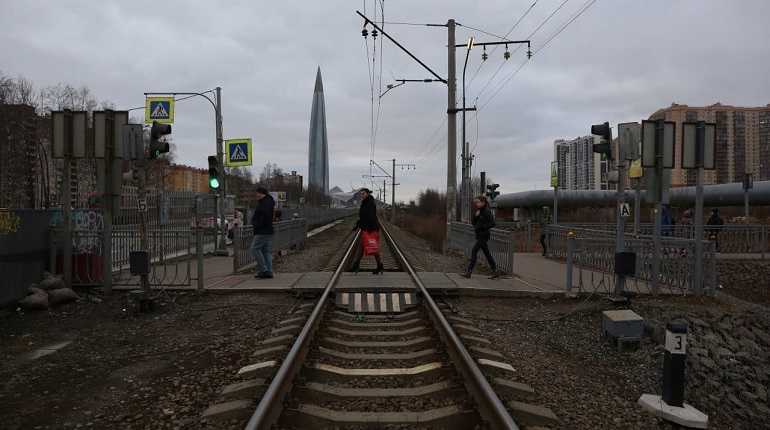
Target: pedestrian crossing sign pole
(159, 109)
(238, 152)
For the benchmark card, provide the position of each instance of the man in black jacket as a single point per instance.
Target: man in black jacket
(483, 222)
(262, 244)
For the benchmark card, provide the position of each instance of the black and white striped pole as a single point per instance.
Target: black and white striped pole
(671, 406)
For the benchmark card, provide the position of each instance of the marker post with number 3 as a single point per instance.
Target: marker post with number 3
(671, 406)
(674, 364)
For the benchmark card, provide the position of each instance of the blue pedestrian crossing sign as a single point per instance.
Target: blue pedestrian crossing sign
(159, 109)
(238, 152)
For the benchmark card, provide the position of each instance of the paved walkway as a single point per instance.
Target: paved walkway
(534, 276)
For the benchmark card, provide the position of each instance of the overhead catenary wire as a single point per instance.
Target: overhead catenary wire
(379, 84)
(582, 10)
(431, 146)
(371, 91)
(508, 33)
(482, 31)
(587, 5)
(540, 26)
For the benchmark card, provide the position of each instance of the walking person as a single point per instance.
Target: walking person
(262, 244)
(543, 242)
(483, 222)
(370, 230)
(715, 223)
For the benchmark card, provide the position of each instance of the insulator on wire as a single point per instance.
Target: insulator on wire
(374, 33)
(529, 53)
(507, 53)
(484, 55)
(364, 32)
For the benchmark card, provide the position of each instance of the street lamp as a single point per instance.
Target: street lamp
(464, 193)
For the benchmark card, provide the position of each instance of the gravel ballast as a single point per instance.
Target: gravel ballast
(321, 251)
(151, 371)
(557, 348)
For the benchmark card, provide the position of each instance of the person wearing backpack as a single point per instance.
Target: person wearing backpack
(483, 222)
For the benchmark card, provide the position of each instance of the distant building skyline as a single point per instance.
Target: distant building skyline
(742, 141)
(318, 150)
(578, 167)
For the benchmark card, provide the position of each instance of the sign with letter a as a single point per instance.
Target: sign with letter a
(625, 210)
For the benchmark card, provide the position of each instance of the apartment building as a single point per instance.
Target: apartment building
(578, 167)
(742, 141)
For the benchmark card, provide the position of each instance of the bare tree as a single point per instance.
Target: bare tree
(17, 91)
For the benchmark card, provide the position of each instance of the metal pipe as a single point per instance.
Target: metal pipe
(713, 195)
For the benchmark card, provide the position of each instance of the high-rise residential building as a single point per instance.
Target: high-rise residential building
(318, 151)
(742, 141)
(578, 167)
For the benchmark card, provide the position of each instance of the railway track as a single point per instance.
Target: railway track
(381, 356)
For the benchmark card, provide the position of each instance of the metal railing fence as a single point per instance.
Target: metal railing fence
(729, 238)
(595, 249)
(171, 251)
(287, 235)
(462, 237)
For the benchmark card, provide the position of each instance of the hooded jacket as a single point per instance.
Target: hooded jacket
(262, 220)
(367, 215)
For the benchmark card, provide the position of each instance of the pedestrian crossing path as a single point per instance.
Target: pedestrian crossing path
(376, 302)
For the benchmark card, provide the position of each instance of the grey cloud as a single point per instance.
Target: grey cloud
(618, 62)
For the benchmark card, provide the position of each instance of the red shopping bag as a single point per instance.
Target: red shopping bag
(370, 241)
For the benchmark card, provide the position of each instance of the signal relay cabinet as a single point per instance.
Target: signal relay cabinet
(622, 326)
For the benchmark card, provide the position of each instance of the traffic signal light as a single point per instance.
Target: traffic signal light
(213, 173)
(158, 146)
(605, 132)
(493, 193)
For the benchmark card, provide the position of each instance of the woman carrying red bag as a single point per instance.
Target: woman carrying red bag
(370, 230)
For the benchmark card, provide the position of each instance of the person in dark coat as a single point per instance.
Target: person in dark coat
(368, 223)
(262, 244)
(715, 223)
(483, 222)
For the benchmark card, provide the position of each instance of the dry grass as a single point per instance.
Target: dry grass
(431, 228)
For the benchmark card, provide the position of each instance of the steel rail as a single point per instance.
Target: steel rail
(271, 405)
(490, 406)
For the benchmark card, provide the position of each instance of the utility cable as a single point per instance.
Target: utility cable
(576, 16)
(584, 8)
(481, 31)
(543, 23)
(516, 24)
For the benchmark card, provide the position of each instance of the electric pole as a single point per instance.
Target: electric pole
(393, 191)
(451, 158)
(221, 243)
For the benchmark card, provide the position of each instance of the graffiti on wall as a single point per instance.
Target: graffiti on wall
(9, 222)
(87, 226)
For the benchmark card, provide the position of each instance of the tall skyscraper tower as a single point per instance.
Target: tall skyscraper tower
(318, 152)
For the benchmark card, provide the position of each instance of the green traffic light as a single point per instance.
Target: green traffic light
(213, 183)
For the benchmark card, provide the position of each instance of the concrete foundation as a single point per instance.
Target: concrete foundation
(686, 416)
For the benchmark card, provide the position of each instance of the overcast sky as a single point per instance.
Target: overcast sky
(619, 61)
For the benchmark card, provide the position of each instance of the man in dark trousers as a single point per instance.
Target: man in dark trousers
(483, 222)
(715, 225)
(262, 244)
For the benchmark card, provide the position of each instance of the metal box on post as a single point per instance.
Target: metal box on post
(139, 262)
(623, 326)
